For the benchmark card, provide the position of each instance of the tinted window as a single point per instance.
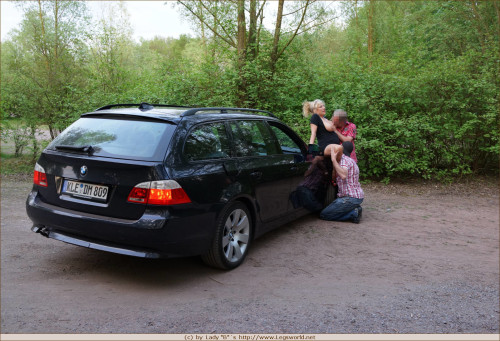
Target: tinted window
(253, 138)
(287, 144)
(127, 139)
(208, 141)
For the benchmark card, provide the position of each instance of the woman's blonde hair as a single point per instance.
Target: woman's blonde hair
(308, 107)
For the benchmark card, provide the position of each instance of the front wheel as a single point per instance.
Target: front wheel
(232, 238)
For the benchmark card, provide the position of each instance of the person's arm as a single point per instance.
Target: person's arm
(341, 171)
(316, 162)
(350, 135)
(310, 169)
(342, 137)
(314, 129)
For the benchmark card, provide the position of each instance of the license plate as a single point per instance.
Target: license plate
(85, 190)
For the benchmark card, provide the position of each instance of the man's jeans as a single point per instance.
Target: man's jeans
(341, 209)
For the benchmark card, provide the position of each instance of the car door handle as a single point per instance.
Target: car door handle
(294, 168)
(256, 175)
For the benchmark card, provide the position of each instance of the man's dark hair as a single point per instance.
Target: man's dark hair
(348, 147)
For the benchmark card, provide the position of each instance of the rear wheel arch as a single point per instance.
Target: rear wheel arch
(232, 238)
(253, 214)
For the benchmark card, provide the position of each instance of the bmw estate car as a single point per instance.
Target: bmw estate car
(160, 181)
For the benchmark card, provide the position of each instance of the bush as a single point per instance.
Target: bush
(16, 133)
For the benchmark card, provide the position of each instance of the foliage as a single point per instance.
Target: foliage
(16, 165)
(42, 75)
(420, 79)
(18, 134)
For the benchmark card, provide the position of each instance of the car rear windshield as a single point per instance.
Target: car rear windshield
(116, 138)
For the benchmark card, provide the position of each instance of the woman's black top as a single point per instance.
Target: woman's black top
(324, 136)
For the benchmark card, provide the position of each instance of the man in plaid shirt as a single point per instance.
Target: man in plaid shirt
(345, 130)
(347, 206)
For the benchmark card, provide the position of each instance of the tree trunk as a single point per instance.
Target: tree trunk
(241, 44)
(277, 32)
(202, 25)
(53, 131)
(34, 143)
(252, 30)
(43, 42)
(241, 48)
(47, 88)
(370, 32)
(261, 17)
(358, 44)
(479, 24)
(56, 29)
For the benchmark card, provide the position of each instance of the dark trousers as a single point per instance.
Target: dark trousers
(307, 199)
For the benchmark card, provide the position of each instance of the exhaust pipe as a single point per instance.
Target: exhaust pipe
(40, 229)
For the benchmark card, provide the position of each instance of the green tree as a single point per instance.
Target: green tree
(429, 103)
(239, 27)
(111, 56)
(44, 58)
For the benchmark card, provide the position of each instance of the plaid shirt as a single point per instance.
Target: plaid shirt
(349, 187)
(350, 130)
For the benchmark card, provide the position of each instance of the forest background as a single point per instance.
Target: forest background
(420, 79)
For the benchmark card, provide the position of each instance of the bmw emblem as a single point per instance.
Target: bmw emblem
(83, 170)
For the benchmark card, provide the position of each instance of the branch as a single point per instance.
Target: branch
(229, 41)
(299, 9)
(321, 23)
(261, 9)
(295, 33)
(260, 26)
(313, 26)
(259, 12)
(217, 22)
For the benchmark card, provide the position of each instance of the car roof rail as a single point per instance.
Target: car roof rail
(193, 111)
(142, 106)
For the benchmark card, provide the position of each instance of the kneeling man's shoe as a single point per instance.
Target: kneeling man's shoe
(356, 220)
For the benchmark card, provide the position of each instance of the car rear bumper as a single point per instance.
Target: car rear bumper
(160, 232)
(93, 245)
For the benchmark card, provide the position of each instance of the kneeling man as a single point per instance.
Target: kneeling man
(347, 206)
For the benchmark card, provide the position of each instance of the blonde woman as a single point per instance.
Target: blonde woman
(321, 128)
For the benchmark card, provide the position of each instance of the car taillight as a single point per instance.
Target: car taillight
(39, 176)
(164, 192)
(139, 193)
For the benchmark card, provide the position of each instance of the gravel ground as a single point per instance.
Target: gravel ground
(425, 259)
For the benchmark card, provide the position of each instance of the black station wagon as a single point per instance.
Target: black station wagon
(165, 181)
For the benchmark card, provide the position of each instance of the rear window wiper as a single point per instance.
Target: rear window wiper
(85, 149)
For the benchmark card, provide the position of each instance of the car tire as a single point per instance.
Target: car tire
(330, 195)
(232, 239)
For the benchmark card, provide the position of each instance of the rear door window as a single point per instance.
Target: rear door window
(117, 138)
(287, 144)
(208, 141)
(253, 138)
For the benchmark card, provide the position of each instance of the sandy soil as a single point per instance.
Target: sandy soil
(425, 259)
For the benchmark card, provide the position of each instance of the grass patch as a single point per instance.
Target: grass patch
(16, 122)
(16, 165)
(13, 121)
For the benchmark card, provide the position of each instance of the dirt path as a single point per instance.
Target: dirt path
(425, 259)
